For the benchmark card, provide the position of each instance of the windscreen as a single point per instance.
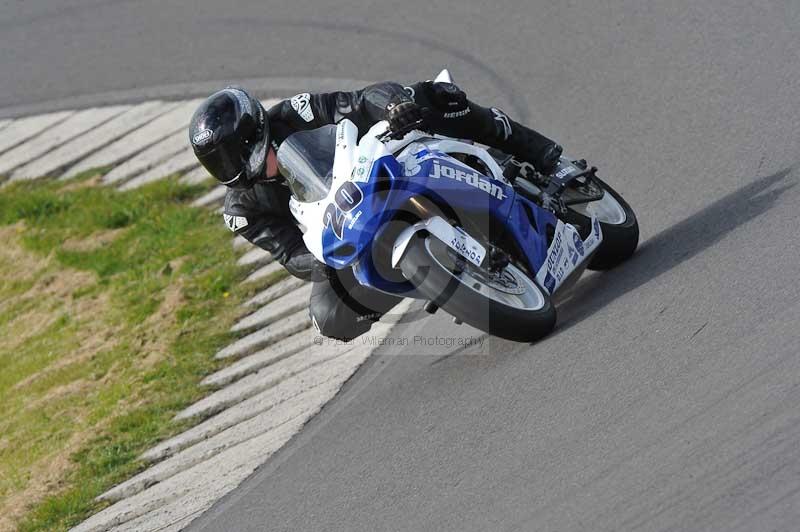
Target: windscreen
(305, 159)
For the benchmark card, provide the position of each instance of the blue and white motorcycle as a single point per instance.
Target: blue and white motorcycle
(484, 238)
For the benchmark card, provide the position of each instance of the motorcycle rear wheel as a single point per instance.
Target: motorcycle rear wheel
(618, 223)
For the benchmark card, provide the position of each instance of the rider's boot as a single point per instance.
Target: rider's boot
(549, 159)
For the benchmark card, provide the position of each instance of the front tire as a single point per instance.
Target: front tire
(509, 304)
(618, 223)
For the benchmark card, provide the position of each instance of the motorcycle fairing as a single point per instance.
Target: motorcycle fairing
(370, 185)
(566, 254)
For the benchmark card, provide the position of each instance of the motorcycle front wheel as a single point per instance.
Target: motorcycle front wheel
(507, 304)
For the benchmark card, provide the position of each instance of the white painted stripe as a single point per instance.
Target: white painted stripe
(178, 164)
(23, 129)
(264, 272)
(244, 410)
(270, 313)
(198, 176)
(241, 243)
(275, 291)
(95, 139)
(202, 451)
(261, 359)
(205, 482)
(294, 387)
(256, 257)
(193, 479)
(214, 197)
(149, 158)
(55, 136)
(175, 118)
(273, 419)
(158, 508)
(260, 339)
(266, 379)
(166, 518)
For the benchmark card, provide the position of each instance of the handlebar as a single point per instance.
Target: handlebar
(400, 133)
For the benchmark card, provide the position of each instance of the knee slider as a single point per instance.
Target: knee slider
(339, 326)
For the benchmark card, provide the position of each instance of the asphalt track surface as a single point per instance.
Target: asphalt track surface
(667, 398)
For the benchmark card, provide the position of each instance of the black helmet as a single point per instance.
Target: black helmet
(229, 133)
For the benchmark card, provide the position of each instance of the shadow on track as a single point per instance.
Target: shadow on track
(675, 245)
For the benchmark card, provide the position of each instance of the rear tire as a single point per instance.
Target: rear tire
(523, 317)
(619, 239)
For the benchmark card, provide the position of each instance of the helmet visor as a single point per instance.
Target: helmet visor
(226, 162)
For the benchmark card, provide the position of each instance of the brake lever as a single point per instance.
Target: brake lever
(400, 134)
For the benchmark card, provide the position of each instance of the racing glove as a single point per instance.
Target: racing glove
(404, 116)
(448, 98)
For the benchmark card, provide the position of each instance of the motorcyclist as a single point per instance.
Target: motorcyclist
(236, 140)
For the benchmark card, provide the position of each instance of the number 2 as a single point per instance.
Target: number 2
(347, 198)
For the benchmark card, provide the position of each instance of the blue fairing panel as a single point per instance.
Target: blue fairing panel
(348, 237)
(349, 233)
(444, 179)
(528, 224)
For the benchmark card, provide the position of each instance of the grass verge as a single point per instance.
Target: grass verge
(111, 307)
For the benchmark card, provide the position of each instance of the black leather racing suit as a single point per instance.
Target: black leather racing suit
(339, 306)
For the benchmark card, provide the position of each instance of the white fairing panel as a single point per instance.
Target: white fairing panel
(566, 253)
(451, 146)
(454, 237)
(444, 77)
(353, 162)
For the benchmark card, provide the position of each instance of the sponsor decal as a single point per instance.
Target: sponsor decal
(302, 104)
(354, 220)
(576, 251)
(340, 136)
(556, 267)
(235, 223)
(361, 171)
(576, 239)
(504, 121)
(411, 92)
(565, 171)
(471, 178)
(549, 282)
(564, 255)
(202, 137)
(456, 114)
(555, 256)
(374, 316)
(347, 198)
(411, 167)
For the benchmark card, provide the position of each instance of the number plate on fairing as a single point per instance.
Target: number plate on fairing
(454, 237)
(466, 246)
